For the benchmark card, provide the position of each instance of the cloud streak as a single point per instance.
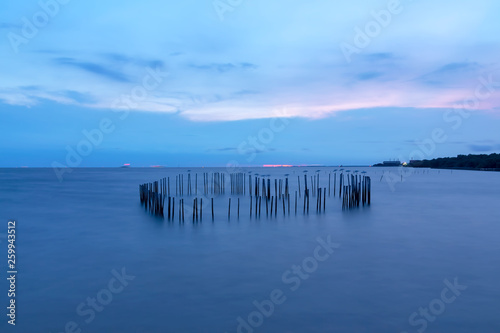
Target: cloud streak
(93, 68)
(224, 67)
(245, 68)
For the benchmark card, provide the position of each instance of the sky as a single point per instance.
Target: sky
(212, 83)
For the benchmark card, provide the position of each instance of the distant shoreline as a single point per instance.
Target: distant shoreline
(457, 168)
(480, 162)
(195, 167)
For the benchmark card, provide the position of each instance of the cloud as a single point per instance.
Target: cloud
(124, 59)
(450, 73)
(93, 68)
(15, 98)
(79, 97)
(224, 67)
(456, 66)
(251, 68)
(247, 65)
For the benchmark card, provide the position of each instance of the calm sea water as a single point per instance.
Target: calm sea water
(393, 257)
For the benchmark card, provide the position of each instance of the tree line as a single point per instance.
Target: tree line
(470, 162)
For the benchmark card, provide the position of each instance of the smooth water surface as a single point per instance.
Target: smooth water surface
(393, 259)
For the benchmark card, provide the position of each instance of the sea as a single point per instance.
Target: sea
(424, 256)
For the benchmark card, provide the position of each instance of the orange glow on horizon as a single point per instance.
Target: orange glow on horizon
(277, 166)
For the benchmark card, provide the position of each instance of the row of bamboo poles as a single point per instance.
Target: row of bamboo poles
(157, 199)
(357, 191)
(215, 183)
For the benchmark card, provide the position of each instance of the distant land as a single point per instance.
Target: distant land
(388, 164)
(466, 162)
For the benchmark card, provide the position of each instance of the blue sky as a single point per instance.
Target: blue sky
(218, 75)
